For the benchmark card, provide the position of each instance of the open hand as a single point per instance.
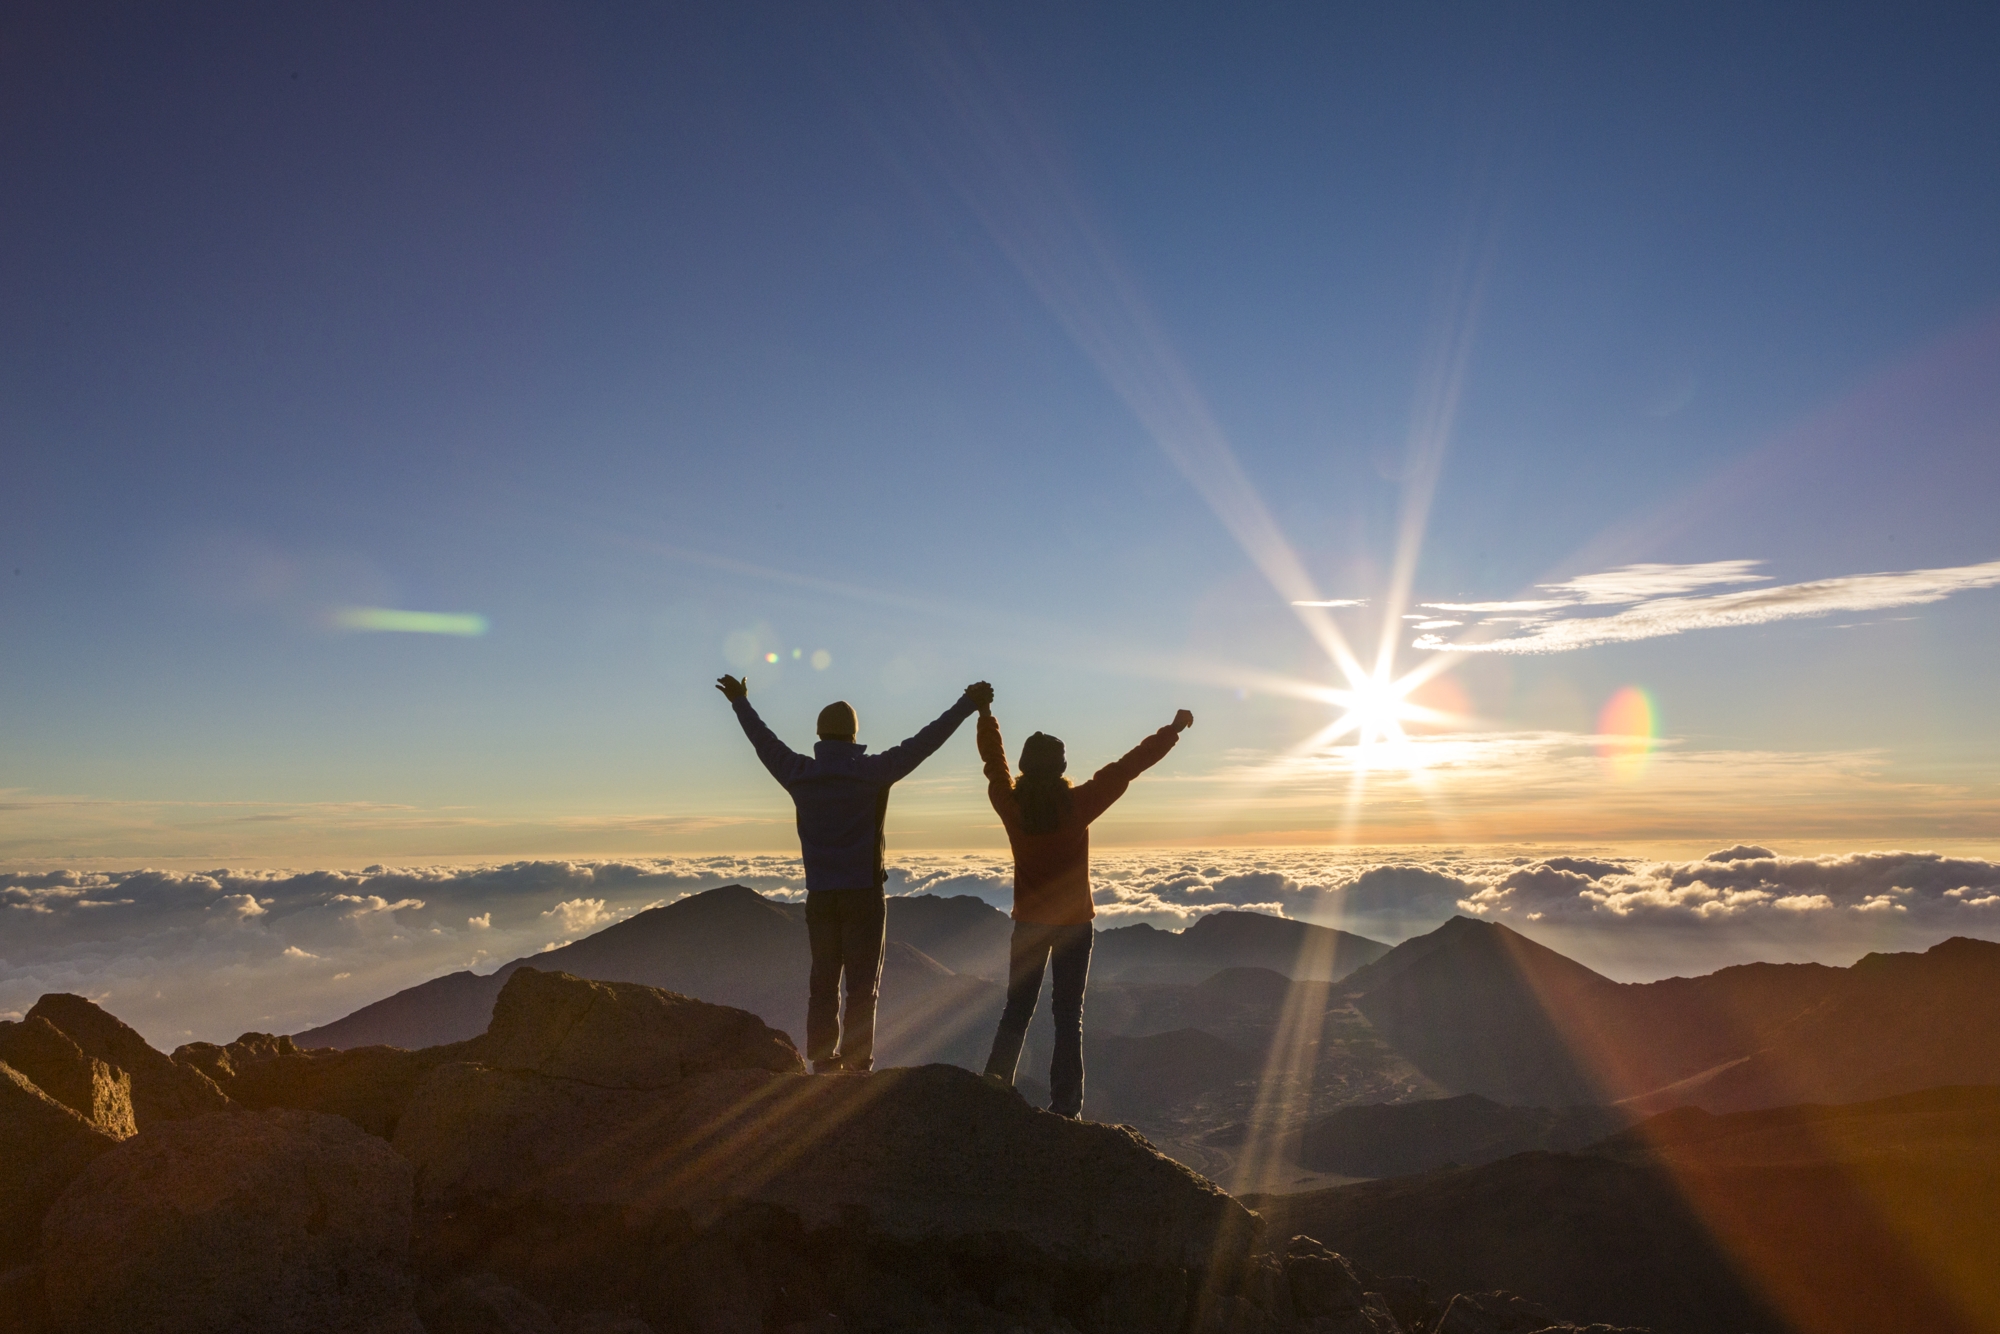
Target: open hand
(732, 688)
(1182, 720)
(980, 693)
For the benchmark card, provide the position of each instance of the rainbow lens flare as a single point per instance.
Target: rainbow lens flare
(1627, 731)
(466, 623)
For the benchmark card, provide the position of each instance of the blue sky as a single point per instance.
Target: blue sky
(955, 344)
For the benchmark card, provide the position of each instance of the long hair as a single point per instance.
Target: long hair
(1045, 798)
(1041, 789)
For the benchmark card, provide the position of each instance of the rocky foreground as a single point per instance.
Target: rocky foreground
(609, 1157)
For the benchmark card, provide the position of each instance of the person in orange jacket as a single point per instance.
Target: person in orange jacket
(1048, 824)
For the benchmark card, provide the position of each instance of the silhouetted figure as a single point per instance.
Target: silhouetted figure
(1048, 823)
(842, 796)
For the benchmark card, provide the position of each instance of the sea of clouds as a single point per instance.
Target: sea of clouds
(184, 955)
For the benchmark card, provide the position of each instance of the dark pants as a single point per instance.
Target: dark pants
(845, 929)
(1034, 946)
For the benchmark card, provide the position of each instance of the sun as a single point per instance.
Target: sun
(1376, 705)
(1374, 709)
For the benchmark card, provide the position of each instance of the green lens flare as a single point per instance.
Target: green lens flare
(465, 623)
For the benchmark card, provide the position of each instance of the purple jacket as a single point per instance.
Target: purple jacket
(842, 794)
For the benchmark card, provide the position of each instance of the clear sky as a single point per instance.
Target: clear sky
(1060, 345)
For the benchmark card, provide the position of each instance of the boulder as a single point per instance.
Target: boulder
(43, 1147)
(237, 1221)
(370, 1086)
(623, 1035)
(640, 1150)
(99, 1093)
(920, 1153)
(161, 1089)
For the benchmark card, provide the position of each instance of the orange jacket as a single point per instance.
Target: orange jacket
(1052, 871)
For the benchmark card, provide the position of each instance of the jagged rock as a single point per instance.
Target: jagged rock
(1321, 1282)
(223, 1063)
(623, 1035)
(238, 1221)
(1496, 1313)
(99, 1093)
(161, 1089)
(370, 1086)
(43, 1147)
(1409, 1300)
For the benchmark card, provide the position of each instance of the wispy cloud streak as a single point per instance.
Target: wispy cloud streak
(1653, 617)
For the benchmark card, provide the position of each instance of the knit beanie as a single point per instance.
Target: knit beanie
(837, 720)
(1043, 754)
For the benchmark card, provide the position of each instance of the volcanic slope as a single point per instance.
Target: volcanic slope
(1852, 1219)
(1480, 1008)
(733, 946)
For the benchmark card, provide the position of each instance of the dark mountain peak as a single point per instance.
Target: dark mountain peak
(729, 900)
(1463, 945)
(958, 907)
(901, 958)
(1240, 923)
(1955, 956)
(1255, 986)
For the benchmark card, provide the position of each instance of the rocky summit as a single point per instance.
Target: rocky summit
(612, 1158)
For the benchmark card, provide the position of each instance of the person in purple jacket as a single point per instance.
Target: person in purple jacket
(842, 796)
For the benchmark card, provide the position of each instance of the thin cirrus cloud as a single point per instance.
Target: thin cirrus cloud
(1657, 608)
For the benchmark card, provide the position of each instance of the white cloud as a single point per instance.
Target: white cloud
(1499, 606)
(581, 915)
(369, 903)
(1658, 616)
(1638, 583)
(1330, 602)
(169, 959)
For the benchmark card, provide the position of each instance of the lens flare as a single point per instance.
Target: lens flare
(1627, 731)
(466, 623)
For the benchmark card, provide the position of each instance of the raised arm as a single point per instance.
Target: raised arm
(784, 763)
(1109, 783)
(993, 758)
(897, 761)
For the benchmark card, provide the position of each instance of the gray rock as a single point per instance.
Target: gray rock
(235, 1223)
(43, 1147)
(161, 1090)
(99, 1093)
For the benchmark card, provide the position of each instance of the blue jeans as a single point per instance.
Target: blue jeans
(844, 928)
(1032, 950)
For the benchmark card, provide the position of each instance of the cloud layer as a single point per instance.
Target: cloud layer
(185, 955)
(1656, 605)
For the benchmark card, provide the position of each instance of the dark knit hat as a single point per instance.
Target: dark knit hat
(1042, 754)
(837, 719)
